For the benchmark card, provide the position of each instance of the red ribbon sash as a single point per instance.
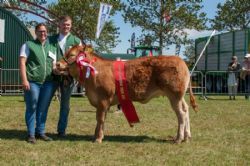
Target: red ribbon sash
(122, 92)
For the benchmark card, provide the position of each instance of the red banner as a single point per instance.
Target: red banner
(122, 92)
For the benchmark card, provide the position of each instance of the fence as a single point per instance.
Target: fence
(203, 84)
(10, 83)
(216, 83)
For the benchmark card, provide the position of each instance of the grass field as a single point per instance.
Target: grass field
(220, 135)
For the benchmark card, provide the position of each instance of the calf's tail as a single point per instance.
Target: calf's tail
(192, 98)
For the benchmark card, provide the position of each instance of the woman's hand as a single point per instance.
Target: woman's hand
(26, 85)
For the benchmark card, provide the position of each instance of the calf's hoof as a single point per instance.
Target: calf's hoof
(187, 139)
(177, 141)
(98, 140)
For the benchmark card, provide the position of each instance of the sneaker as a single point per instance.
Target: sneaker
(31, 139)
(44, 137)
(61, 134)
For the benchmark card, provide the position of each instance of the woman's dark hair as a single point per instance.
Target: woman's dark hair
(39, 25)
(234, 58)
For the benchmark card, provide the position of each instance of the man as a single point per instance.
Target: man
(64, 41)
(246, 70)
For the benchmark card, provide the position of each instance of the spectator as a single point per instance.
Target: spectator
(246, 75)
(233, 75)
(64, 41)
(36, 58)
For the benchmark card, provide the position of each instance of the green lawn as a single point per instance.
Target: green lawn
(220, 135)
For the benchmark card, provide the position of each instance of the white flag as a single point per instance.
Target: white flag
(102, 18)
(2, 27)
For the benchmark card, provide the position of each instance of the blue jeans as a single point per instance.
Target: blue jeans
(247, 86)
(37, 101)
(66, 91)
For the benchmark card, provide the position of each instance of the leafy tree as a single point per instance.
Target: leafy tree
(165, 21)
(20, 8)
(84, 15)
(232, 15)
(189, 54)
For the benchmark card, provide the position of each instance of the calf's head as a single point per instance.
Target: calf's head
(69, 60)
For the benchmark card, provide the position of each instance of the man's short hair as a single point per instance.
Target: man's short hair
(65, 18)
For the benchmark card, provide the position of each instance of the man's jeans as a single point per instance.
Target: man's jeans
(66, 91)
(247, 86)
(37, 101)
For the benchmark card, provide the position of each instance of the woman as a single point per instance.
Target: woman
(36, 63)
(232, 81)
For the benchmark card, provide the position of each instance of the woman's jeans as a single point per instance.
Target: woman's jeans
(37, 101)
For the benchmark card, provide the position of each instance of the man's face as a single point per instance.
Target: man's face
(65, 26)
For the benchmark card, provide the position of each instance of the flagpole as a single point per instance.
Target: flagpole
(202, 51)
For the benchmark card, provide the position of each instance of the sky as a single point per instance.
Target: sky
(210, 8)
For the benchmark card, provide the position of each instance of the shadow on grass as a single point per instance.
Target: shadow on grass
(129, 139)
(22, 135)
(112, 138)
(13, 134)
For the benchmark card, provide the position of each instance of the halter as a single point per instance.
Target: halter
(66, 61)
(69, 63)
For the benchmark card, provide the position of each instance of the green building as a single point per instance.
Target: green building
(13, 34)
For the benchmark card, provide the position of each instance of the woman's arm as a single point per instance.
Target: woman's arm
(25, 82)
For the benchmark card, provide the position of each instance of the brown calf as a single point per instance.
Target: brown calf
(147, 77)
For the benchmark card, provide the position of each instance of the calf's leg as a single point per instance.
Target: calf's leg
(187, 132)
(100, 118)
(177, 107)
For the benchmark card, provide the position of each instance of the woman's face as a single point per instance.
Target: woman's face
(41, 33)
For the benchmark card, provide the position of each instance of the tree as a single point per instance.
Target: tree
(232, 15)
(21, 9)
(165, 21)
(84, 15)
(189, 54)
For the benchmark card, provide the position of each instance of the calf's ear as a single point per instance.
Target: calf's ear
(89, 48)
